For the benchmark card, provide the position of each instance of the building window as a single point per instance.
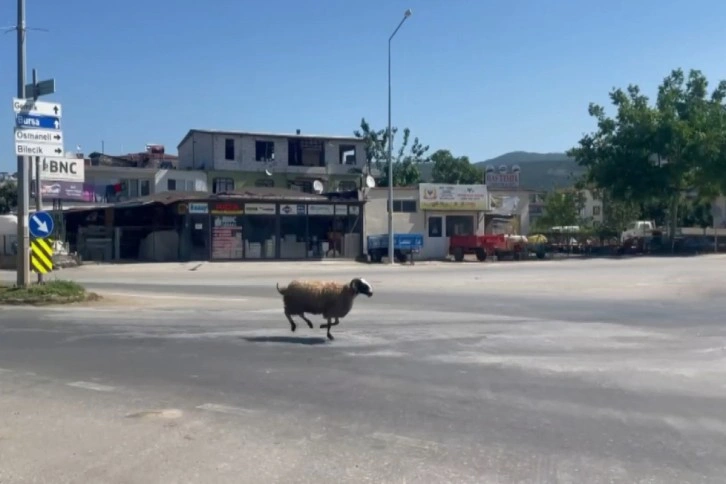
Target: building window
(305, 152)
(347, 186)
(221, 185)
(171, 184)
(264, 150)
(459, 225)
(596, 211)
(229, 149)
(403, 206)
(189, 186)
(346, 154)
(133, 188)
(265, 182)
(145, 188)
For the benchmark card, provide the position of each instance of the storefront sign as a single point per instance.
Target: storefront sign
(226, 208)
(320, 210)
(341, 210)
(64, 190)
(199, 208)
(297, 209)
(259, 209)
(452, 197)
(502, 180)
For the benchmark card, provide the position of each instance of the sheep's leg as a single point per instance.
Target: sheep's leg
(310, 325)
(329, 325)
(292, 323)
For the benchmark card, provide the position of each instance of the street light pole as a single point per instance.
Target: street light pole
(23, 254)
(406, 14)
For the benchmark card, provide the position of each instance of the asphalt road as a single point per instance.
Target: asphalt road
(587, 371)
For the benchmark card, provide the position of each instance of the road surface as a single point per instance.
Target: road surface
(575, 371)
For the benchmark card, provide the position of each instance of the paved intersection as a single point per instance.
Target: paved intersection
(490, 377)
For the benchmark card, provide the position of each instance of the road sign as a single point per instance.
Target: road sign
(44, 136)
(54, 168)
(37, 149)
(43, 88)
(37, 108)
(33, 121)
(41, 225)
(41, 255)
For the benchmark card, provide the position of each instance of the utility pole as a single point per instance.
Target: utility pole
(23, 255)
(38, 193)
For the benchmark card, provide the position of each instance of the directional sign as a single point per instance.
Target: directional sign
(41, 255)
(42, 88)
(31, 121)
(60, 169)
(44, 136)
(37, 149)
(41, 225)
(37, 108)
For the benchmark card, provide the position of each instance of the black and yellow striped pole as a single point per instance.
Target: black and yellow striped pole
(41, 256)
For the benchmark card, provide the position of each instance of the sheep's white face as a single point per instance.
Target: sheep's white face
(362, 286)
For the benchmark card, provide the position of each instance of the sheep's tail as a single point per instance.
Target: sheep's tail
(281, 291)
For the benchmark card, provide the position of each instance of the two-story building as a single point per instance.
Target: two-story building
(306, 163)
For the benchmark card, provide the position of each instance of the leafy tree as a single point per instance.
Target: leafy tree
(8, 197)
(561, 208)
(454, 169)
(405, 159)
(657, 153)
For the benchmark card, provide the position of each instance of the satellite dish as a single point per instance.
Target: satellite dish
(489, 168)
(318, 186)
(370, 181)
(502, 169)
(268, 173)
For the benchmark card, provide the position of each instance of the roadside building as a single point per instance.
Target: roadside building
(235, 160)
(437, 211)
(251, 224)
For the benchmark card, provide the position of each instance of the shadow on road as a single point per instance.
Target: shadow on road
(285, 339)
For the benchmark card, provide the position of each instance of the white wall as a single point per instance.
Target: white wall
(186, 181)
(197, 152)
(591, 206)
(718, 211)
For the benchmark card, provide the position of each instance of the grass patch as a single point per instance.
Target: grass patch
(51, 292)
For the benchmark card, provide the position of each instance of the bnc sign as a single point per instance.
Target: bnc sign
(61, 169)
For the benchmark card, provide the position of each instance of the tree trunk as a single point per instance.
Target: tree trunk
(674, 220)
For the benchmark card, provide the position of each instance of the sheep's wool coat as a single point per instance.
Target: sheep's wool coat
(331, 299)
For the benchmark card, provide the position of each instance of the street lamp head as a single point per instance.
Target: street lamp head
(407, 13)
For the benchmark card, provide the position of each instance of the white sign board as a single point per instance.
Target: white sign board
(61, 169)
(23, 148)
(297, 209)
(452, 197)
(320, 209)
(37, 108)
(259, 209)
(41, 136)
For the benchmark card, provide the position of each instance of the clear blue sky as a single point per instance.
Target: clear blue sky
(478, 77)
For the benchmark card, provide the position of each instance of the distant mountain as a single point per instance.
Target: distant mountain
(539, 171)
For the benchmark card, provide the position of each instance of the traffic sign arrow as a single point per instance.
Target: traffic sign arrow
(42, 225)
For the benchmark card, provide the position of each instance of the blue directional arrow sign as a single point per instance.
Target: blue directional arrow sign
(41, 225)
(32, 121)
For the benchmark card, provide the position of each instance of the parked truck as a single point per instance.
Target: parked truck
(501, 246)
(404, 246)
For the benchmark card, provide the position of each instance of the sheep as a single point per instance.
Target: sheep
(331, 299)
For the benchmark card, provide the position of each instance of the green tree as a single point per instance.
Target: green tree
(405, 158)
(561, 208)
(454, 170)
(8, 197)
(657, 153)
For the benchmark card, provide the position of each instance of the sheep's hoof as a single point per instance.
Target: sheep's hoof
(330, 337)
(293, 328)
